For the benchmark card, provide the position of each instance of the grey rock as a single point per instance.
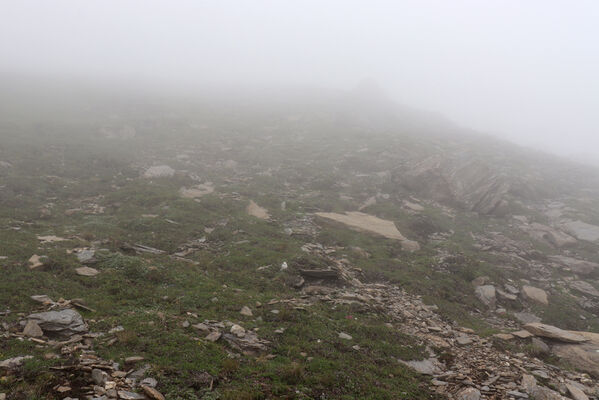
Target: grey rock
(151, 382)
(575, 392)
(32, 329)
(582, 230)
(126, 395)
(213, 336)
(14, 362)
(62, 323)
(539, 347)
(535, 294)
(468, 394)
(245, 310)
(425, 367)
(526, 318)
(86, 256)
(99, 377)
(581, 267)
(517, 394)
(553, 332)
(486, 294)
(159, 171)
(585, 287)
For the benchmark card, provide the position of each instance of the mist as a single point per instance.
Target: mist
(523, 71)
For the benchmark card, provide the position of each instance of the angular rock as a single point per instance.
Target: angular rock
(526, 318)
(576, 393)
(249, 344)
(32, 329)
(35, 261)
(504, 336)
(553, 236)
(86, 256)
(62, 323)
(151, 382)
(152, 393)
(238, 331)
(126, 395)
(584, 356)
(245, 310)
(159, 171)
(486, 294)
(14, 362)
(371, 224)
(255, 210)
(582, 230)
(555, 333)
(585, 287)
(425, 367)
(213, 336)
(539, 347)
(468, 394)
(87, 271)
(133, 359)
(42, 298)
(523, 334)
(535, 294)
(345, 336)
(581, 267)
(99, 377)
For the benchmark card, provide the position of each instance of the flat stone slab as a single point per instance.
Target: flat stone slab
(425, 367)
(552, 332)
(582, 230)
(255, 210)
(371, 224)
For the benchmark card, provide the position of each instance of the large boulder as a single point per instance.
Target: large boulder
(584, 287)
(582, 230)
(486, 294)
(584, 356)
(535, 294)
(468, 182)
(550, 235)
(581, 267)
(63, 323)
(552, 332)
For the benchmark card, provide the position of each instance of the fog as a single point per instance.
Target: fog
(525, 71)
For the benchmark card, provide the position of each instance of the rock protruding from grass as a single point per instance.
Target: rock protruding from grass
(371, 224)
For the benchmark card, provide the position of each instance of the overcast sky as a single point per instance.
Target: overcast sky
(527, 70)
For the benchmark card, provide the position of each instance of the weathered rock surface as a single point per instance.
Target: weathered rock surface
(197, 191)
(585, 287)
(552, 332)
(468, 182)
(469, 394)
(255, 210)
(535, 294)
(87, 271)
(486, 294)
(550, 235)
(32, 329)
(584, 356)
(581, 267)
(582, 230)
(159, 171)
(14, 362)
(371, 224)
(62, 323)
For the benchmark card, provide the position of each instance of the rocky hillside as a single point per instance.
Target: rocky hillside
(298, 246)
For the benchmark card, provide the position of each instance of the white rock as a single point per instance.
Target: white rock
(238, 331)
(159, 171)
